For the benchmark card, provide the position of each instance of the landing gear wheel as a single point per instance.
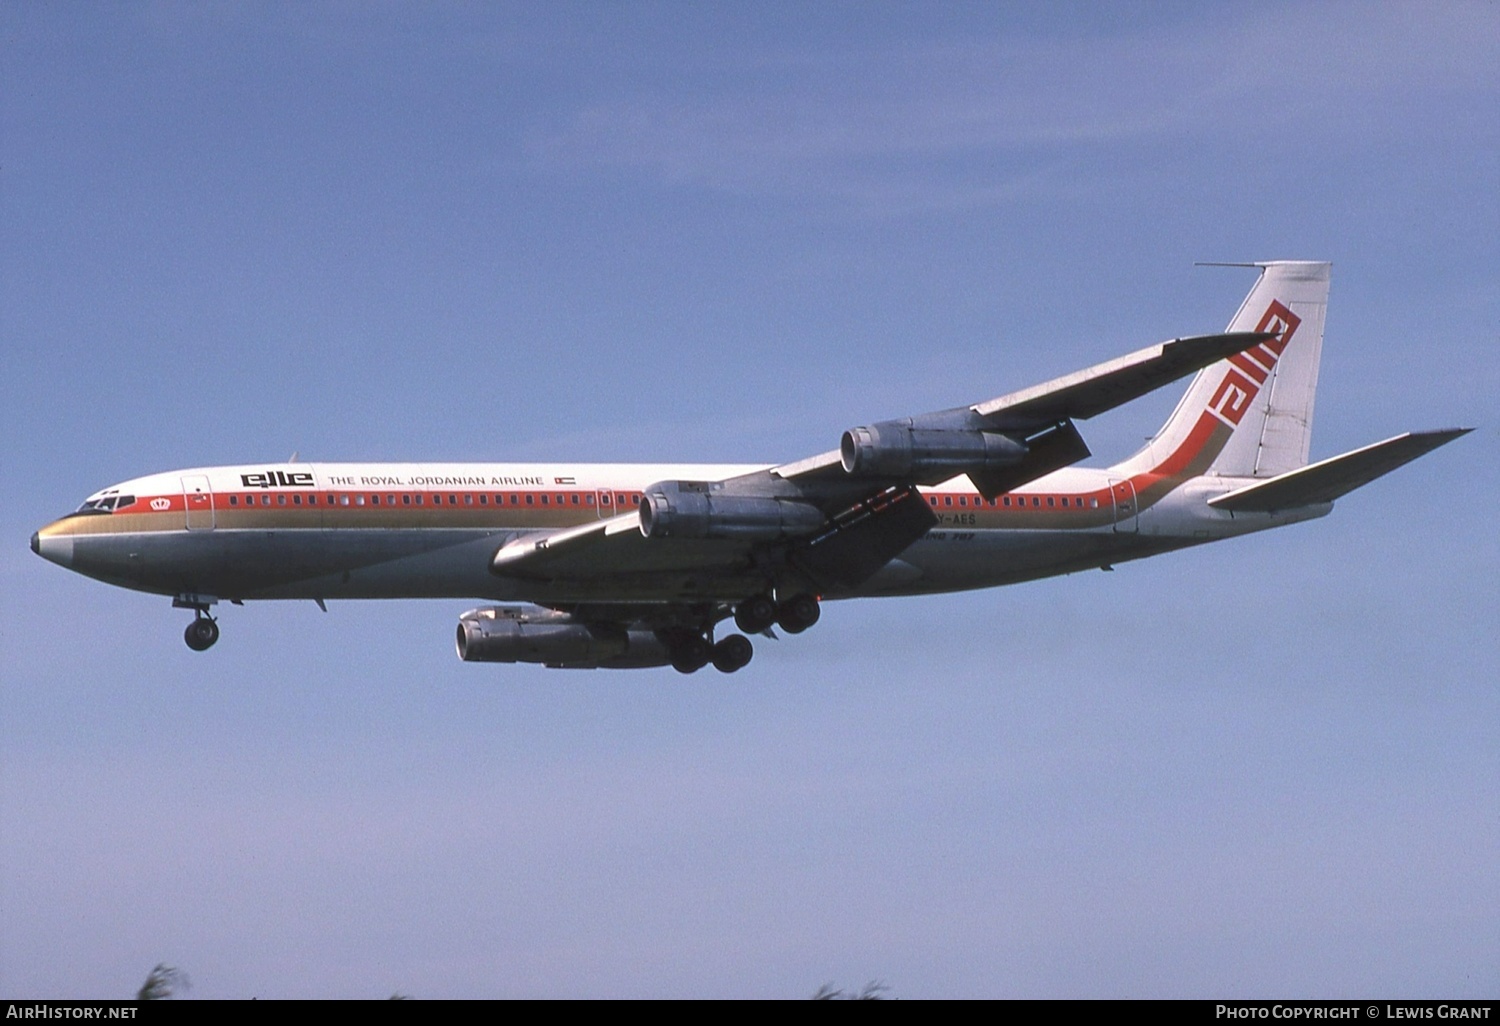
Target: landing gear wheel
(733, 653)
(798, 613)
(691, 654)
(201, 634)
(755, 614)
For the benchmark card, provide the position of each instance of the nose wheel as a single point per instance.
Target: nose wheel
(201, 633)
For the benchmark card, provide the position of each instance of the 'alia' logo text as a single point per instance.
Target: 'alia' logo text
(278, 479)
(1250, 369)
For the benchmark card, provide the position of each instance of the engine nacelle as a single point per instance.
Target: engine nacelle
(688, 509)
(925, 455)
(507, 634)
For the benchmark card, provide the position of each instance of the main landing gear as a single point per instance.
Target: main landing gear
(692, 650)
(794, 615)
(204, 630)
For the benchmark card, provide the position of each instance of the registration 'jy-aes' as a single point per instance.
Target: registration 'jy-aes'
(638, 565)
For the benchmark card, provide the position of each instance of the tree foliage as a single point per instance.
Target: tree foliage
(872, 991)
(162, 982)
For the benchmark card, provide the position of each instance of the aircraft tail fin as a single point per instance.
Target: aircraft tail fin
(1250, 415)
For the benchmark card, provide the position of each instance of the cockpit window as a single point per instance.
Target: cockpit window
(108, 504)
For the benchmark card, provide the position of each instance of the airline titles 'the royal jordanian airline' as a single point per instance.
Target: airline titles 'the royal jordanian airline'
(627, 566)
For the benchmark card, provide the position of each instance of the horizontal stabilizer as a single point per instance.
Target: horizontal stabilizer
(1332, 478)
(1104, 386)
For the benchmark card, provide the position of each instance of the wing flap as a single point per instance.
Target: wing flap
(610, 548)
(865, 538)
(1329, 479)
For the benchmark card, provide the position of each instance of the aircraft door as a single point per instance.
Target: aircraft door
(1122, 493)
(198, 499)
(604, 503)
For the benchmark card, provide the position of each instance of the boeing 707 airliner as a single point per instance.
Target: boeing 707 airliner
(625, 566)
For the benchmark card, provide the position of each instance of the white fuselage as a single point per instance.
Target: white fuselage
(332, 531)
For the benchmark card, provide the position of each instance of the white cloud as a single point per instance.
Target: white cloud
(976, 122)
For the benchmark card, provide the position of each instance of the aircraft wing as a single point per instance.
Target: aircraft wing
(1104, 386)
(1042, 415)
(1329, 479)
(838, 517)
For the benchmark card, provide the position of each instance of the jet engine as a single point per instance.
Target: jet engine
(508, 634)
(690, 509)
(898, 449)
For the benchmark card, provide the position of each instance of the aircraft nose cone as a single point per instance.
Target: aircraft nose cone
(53, 548)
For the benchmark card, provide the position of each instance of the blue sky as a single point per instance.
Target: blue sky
(676, 232)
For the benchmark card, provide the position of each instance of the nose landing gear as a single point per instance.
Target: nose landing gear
(201, 633)
(204, 630)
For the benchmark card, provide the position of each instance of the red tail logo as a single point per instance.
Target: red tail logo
(1250, 369)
